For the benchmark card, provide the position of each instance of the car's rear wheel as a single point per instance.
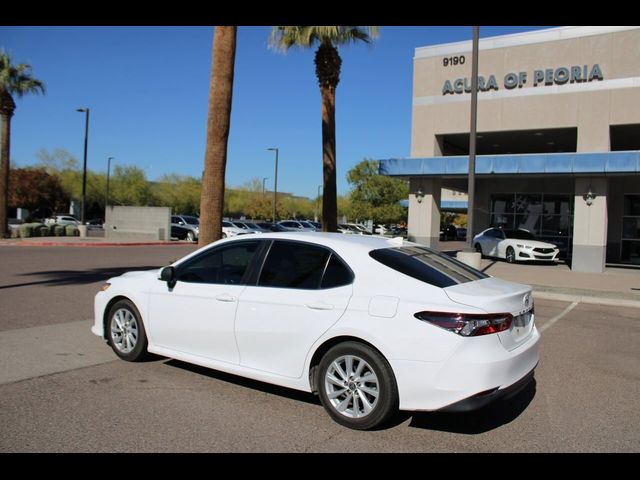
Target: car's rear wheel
(510, 255)
(357, 386)
(125, 332)
(191, 237)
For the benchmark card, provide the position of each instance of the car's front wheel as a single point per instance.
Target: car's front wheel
(191, 236)
(357, 386)
(510, 255)
(125, 332)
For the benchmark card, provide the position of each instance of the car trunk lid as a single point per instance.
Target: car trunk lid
(494, 295)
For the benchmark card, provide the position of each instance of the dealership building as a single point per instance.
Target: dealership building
(558, 142)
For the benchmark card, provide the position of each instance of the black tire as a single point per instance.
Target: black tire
(510, 255)
(384, 405)
(125, 332)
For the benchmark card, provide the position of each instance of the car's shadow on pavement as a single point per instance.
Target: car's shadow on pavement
(75, 277)
(494, 415)
(246, 382)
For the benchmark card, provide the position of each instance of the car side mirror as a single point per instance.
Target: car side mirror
(168, 274)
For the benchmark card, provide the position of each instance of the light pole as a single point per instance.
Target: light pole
(106, 203)
(275, 185)
(264, 179)
(471, 187)
(84, 164)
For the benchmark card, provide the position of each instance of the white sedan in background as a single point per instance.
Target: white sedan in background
(514, 246)
(370, 324)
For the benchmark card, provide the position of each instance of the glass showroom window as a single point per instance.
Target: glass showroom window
(630, 248)
(547, 215)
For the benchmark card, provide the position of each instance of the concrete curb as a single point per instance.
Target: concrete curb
(593, 300)
(93, 244)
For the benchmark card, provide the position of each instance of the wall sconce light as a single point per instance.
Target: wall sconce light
(419, 195)
(589, 196)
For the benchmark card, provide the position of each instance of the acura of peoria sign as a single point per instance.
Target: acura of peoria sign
(549, 76)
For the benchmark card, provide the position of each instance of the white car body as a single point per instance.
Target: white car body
(494, 243)
(62, 220)
(274, 334)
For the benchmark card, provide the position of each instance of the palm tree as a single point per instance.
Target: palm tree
(218, 121)
(14, 80)
(328, 64)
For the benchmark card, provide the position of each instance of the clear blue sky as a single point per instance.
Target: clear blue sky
(147, 88)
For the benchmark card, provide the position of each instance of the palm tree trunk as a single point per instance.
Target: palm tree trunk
(218, 123)
(329, 196)
(4, 174)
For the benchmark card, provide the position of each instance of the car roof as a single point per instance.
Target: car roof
(336, 241)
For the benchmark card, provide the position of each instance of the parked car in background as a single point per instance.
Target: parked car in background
(369, 324)
(461, 233)
(231, 230)
(62, 220)
(253, 227)
(272, 227)
(514, 246)
(181, 233)
(296, 226)
(189, 223)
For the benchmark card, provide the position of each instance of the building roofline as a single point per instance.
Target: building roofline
(518, 39)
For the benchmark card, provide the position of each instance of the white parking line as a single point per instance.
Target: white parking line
(557, 317)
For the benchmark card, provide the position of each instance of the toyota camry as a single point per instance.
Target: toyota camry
(370, 324)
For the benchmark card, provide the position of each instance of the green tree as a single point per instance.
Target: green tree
(14, 80)
(376, 197)
(128, 186)
(218, 124)
(66, 167)
(328, 63)
(181, 193)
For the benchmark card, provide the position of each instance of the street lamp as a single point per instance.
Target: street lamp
(471, 184)
(106, 203)
(275, 185)
(84, 165)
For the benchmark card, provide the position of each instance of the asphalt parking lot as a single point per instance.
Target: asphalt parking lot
(62, 390)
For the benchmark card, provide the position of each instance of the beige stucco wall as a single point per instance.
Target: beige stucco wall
(555, 106)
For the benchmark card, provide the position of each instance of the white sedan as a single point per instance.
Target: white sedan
(370, 324)
(514, 246)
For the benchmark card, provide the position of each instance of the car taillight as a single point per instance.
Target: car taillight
(468, 324)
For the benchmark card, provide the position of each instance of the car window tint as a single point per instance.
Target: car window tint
(294, 265)
(222, 265)
(336, 274)
(427, 265)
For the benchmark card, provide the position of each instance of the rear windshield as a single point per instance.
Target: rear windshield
(427, 265)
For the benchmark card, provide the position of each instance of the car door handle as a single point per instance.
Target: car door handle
(319, 306)
(225, 297)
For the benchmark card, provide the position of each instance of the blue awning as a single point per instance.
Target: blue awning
(546, 163)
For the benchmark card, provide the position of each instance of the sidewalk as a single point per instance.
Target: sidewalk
(615, 286)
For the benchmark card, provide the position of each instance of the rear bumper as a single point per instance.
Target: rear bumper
(485, 398)
(477, 373)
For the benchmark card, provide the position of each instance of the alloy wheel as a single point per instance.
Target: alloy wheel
(352, 386)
